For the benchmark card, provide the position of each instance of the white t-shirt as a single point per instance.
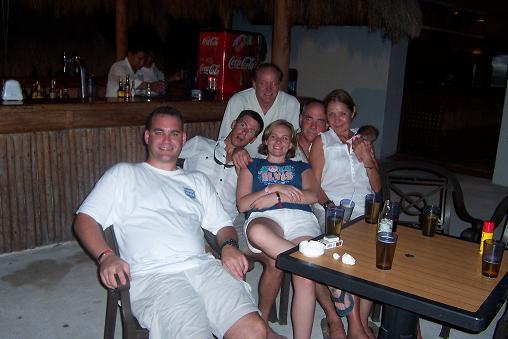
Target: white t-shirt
(199, 154)
(343, 175)
(118, 71)
(157, 215)
(285, 107)
(152, 73)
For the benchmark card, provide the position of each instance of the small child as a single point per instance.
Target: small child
(368, 132)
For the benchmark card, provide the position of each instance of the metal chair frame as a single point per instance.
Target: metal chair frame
(119, 298)
(440, 181)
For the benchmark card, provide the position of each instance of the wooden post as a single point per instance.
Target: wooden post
(121, 29)
(281, 43)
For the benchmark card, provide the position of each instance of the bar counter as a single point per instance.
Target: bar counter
(51, 155)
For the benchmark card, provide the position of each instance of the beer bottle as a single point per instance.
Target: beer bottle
(52, 90)
(120, 93)
(385, 221)
(127, 87)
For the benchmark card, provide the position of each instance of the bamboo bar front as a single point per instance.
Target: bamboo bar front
(51, 155)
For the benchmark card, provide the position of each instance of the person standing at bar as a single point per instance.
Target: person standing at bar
(131, 66)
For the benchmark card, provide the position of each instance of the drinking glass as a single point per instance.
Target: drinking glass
(334, 220)
(373, 204)
(492, 256)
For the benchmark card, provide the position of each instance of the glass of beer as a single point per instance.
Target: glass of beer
(430, 218)
(373, 205)
(348, 205)
(334, 220)
(385, 249)
(491, 258)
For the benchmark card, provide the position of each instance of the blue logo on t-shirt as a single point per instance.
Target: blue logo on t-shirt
(189, 192)
(275, 174)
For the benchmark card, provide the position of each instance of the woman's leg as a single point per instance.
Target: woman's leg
(365, 310)
(269, 284)
(304, 303)
(267, 236)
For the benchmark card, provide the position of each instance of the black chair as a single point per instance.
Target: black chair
(415, 184)
(500, 218)
(119, 298)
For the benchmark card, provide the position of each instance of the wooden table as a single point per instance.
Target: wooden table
(436, 277)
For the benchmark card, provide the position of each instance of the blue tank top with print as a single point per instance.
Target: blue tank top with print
(265, 173)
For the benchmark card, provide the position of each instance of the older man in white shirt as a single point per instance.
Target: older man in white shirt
(264, 97)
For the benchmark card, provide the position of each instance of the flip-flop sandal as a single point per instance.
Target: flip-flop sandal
(341, 300)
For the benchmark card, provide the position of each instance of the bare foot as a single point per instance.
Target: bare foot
(357, 333)
(336, 329)
(271, 334)
(370, 333)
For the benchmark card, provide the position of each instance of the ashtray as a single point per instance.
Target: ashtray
(311, 248)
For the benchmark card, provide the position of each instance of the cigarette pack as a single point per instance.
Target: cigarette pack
(331, 241)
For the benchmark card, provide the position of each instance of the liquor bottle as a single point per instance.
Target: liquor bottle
(52, 90)
(487, 232)
(120, 93)
(133, 88)
(127, 89)
(385, 221)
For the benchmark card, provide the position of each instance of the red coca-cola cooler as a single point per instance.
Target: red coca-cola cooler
(226, 61)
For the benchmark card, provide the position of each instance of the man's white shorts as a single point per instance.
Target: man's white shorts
(193, 303)
(294, 223)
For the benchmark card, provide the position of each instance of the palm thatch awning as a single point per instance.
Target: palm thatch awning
(395, 18)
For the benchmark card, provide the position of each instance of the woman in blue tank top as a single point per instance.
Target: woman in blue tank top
(276, 192)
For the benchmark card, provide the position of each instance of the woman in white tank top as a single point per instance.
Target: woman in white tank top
(345, 166)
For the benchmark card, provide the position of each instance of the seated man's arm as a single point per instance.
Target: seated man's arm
(91, 237)
(232, 257)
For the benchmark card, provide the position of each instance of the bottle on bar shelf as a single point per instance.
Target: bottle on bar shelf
(127, 89)
(52, 90)
(120, 93)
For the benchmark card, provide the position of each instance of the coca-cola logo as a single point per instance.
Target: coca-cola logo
(210, 41)
(247, 63)
(212, 69)
(239, 42)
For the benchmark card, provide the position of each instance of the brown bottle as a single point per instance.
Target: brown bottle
(120, 93)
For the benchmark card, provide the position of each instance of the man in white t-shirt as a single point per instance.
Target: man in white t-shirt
(177, 289)
(264, 97)
(215, 158)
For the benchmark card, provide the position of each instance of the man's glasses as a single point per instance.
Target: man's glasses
(243, 126)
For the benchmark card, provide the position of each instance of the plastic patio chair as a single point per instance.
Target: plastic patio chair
(415, 184)
(119, 298)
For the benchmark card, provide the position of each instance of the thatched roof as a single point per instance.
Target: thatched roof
(396, 18)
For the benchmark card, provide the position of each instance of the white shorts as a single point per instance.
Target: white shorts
(193, 303)
(294, 224)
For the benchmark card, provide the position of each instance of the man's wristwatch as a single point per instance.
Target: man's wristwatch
(231, 242)
(327, 203)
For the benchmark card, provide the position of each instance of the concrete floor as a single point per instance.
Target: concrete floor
(53, 292)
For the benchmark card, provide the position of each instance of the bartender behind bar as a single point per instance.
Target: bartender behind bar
(136, 58)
